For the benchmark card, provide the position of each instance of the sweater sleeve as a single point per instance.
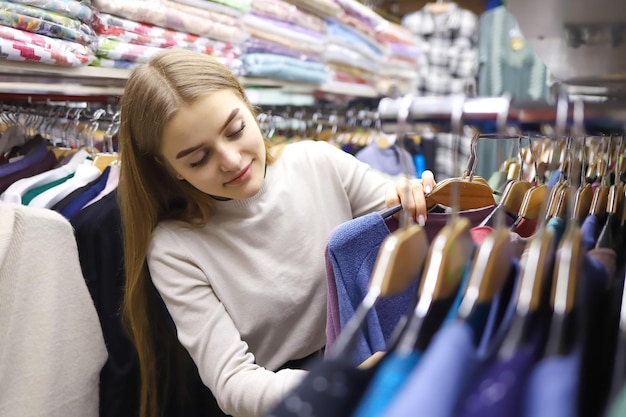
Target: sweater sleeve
(204, 327)
(364, 186)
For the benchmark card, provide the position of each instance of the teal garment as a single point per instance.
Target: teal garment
(618, 407)
(506, 61)
(506, 64)
(496, 182)
(387, 382)
(557, 226)
(397, 368)
(34, 192)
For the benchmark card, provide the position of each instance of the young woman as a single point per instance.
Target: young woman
(230, 230)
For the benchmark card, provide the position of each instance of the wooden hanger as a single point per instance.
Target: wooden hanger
(399, 261)
(470, 194)
(448, 256)
(490, 268)
(102, 161)
(534, 273)
(468, 191)
(565, 281)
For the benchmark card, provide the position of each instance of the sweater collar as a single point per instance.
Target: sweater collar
(226, 205)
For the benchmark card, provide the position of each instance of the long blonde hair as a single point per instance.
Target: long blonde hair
(147, 191)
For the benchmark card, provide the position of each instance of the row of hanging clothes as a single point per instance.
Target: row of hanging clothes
(62, 156)
(508, 302)
(357, 131)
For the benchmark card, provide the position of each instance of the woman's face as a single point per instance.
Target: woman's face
(215, 145)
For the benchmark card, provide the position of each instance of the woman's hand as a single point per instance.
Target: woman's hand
(410, 193)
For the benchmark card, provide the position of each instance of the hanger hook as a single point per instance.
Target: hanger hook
(503, 114)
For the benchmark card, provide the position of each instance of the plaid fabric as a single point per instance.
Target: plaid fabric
(449, 43)
(448, 153)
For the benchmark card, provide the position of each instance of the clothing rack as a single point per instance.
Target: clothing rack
(485, 112)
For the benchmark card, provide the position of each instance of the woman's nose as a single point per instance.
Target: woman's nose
(230, 158)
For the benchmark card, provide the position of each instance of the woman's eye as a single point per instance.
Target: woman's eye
(201, 161)
(239, 131)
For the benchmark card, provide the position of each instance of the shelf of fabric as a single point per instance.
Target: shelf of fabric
(34, 78)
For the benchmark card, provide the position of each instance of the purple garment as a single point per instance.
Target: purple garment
(352, 249)
(590, 232)
(393, 160)
(45, 164)
(32, 157)
(499, 390)
(553, 387)
(258, 45)
(451, 362)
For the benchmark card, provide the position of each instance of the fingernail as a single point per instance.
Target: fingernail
(427, 189)
(420, 220)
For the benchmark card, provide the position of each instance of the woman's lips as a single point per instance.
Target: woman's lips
(242, 177)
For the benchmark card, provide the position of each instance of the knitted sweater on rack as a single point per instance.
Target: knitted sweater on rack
(51, 343)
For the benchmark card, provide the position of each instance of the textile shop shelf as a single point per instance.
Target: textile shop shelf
(40, 79)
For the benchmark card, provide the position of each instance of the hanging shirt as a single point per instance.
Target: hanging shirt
(449, 43)
(392, 160)
(507, 62)
(352, 250)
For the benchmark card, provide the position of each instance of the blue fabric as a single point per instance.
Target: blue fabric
(452, 360)
(353, 249)
(388, 160)
(590, 232)
(283, 67)
(553, 179)
(31, 158)
(446, 368)
(492, 4)
(420, 164)
(392, 375)
(350, 36)
(553, 387)
(79, 202)
(499, 389)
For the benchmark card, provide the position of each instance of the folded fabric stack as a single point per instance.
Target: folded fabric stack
(131, 31)
(402, 59)
(54, 32)
(353, 54)
(388, 54)
(285, 43)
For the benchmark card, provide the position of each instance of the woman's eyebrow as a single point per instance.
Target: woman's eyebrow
(229, 119)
